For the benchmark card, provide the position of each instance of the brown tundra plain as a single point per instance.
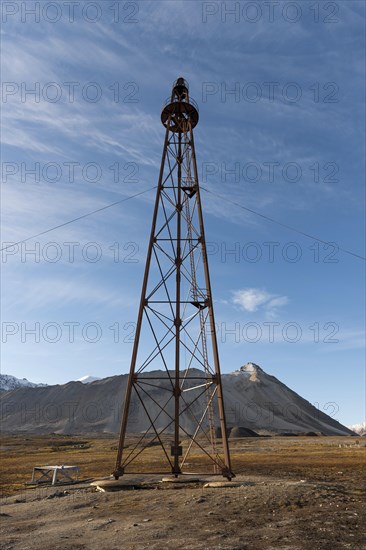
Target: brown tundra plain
(289, 493)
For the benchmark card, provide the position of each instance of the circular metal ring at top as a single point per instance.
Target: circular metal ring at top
(177, 114)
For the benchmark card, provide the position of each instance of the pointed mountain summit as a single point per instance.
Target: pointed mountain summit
(252, 370)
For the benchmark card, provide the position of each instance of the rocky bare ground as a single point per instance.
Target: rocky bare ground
(263, 513)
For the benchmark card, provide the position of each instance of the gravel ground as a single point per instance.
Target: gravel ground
(263, 513)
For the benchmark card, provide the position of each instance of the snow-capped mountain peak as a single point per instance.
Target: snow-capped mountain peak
(88, 379)
(9, 383)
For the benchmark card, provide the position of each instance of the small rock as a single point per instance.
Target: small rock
(57, 494)
(146, 519)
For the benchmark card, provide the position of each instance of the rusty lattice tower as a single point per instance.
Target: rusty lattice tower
(174, 386)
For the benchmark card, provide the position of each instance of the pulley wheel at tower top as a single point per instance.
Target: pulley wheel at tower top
(181, 113)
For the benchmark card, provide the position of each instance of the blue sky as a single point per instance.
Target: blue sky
(288, 143)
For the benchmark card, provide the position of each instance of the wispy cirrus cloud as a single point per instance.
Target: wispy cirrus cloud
(54, 293)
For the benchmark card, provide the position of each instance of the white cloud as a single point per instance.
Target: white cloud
(252, 299)
(54, 293)
(278, 301)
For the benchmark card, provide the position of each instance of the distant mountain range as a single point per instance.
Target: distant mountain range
(9, 383)
(253, 399)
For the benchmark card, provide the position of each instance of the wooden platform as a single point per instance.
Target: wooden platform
(54, 474)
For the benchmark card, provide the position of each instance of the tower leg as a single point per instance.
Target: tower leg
(119, 470)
